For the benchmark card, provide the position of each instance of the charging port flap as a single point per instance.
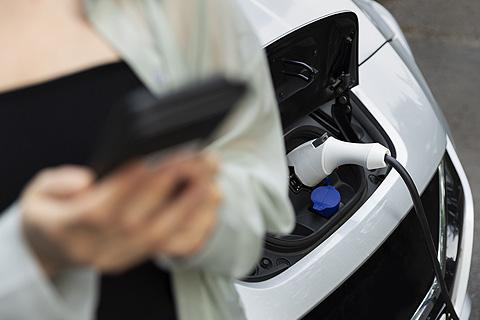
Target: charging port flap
(314, 64)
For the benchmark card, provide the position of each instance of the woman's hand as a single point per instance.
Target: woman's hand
(133, 215)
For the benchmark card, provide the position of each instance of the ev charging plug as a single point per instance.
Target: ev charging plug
(315, 160)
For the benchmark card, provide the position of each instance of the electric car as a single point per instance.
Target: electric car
(343, 69)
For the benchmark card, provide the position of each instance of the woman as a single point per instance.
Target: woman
(63, 63)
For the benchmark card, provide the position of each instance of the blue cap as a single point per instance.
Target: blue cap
(326, 200)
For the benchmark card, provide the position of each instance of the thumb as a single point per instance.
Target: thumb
(64, 181)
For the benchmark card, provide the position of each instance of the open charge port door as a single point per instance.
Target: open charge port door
(313, 70)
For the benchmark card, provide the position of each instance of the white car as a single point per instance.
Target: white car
(343, 68)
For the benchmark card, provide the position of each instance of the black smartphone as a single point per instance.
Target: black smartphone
(142, 124)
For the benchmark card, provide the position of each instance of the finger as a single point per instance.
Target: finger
(121, 255)
(124, 176)
(165, 161)
(204, 163)
(190, 238)
(174, 214)
(63, 181)
(211, 162)
(98, 206)
(152, 196)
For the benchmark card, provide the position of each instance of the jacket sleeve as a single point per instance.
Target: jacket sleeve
(253, 179)
(25, 293)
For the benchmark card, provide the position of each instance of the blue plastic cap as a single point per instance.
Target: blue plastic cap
(326, 200)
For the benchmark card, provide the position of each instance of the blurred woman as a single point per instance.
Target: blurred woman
(160, 255)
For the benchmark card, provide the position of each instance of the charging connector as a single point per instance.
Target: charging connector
(315, 160)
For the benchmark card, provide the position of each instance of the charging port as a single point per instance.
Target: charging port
(313, 71)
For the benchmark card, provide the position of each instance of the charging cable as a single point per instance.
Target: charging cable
(315, 160)
(422, 219)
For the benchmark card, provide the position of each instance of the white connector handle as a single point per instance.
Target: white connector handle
(313, 162)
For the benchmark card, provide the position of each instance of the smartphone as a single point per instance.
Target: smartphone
(143, 124)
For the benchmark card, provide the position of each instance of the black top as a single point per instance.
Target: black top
(58, 122)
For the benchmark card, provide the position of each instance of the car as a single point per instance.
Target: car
(344, 69)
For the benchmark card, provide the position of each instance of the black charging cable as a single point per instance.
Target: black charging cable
(422, 219)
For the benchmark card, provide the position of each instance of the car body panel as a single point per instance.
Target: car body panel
(394, 91)
(401, 107)
(272, 19)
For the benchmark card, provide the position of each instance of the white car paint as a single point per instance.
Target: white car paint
(273, 19)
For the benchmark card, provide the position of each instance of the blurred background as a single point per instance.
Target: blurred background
(445, 38)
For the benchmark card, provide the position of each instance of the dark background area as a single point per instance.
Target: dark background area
(445, 38)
